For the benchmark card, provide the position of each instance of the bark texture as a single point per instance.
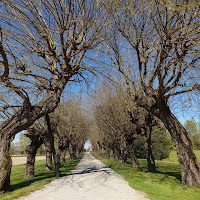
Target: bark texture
(149, 149)
(134, 161)
(49, 162)
(5, 166)
(123, 149)
(55, 156)
(190, 166)
(30, 164)
(37, 138)
(144, 122)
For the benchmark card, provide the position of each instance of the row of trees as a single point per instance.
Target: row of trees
(67, 134)
(153, 45)
(115, 134)
(43, 46)
(120, 131)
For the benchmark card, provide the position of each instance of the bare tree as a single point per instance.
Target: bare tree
(155, 46)
(72, 127)
(43, 44)
(114, 124)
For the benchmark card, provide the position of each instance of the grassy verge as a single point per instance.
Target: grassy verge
(23, 187)
(173, 156)
(163, 185)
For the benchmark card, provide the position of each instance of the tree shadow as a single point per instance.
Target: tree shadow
(177, 175)
(143, 168)
(89, 170)
(27, 182)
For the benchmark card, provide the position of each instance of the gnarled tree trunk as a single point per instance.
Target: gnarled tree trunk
(55, 156)
(31, 151)
(49, 162)
(23, 119)
(190, 166)
(130, 143)
(37, 139)
(123, 149)
(5, 165)
(72, 152)
(134, 161)
(149, 149)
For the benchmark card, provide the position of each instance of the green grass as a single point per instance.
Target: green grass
(23, 187)
(173, 156)
(163, 185)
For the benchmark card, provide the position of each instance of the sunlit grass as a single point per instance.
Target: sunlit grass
(174, 158)
(23, 187)
(163, 185)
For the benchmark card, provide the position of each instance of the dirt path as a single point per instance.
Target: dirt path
(91, 180)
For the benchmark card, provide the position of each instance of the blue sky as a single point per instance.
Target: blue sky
(87, 144)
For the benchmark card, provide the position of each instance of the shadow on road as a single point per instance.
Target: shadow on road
(89, 170)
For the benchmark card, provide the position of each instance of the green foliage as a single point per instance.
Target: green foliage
(196, 142)
(161, 141)
(191, 127)
(41, 150)
(139, 147)
(163, 185)
(22, 144)
(12, 148)
(23, 187)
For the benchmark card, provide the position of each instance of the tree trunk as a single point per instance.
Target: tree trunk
(55, 157)
(134, 161)
(111, 154)
(21, 120)
(77, 153)
(30, 164)
(5, 165)
(190, 166)
(123, 149)
(63, 155)
(37, 138)
(72, 152)
(117, 153)
(49, 162)
(108, 150)
(149, 149)
(123, 156)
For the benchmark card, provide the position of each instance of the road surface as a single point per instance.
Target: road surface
(91, 180)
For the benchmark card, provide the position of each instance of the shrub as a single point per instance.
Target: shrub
(161, 141)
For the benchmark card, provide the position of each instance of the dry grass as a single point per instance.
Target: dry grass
(22, 160)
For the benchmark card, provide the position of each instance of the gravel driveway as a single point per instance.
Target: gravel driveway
(91, 180)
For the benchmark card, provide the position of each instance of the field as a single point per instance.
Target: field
(163, 185)
(17, 160)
